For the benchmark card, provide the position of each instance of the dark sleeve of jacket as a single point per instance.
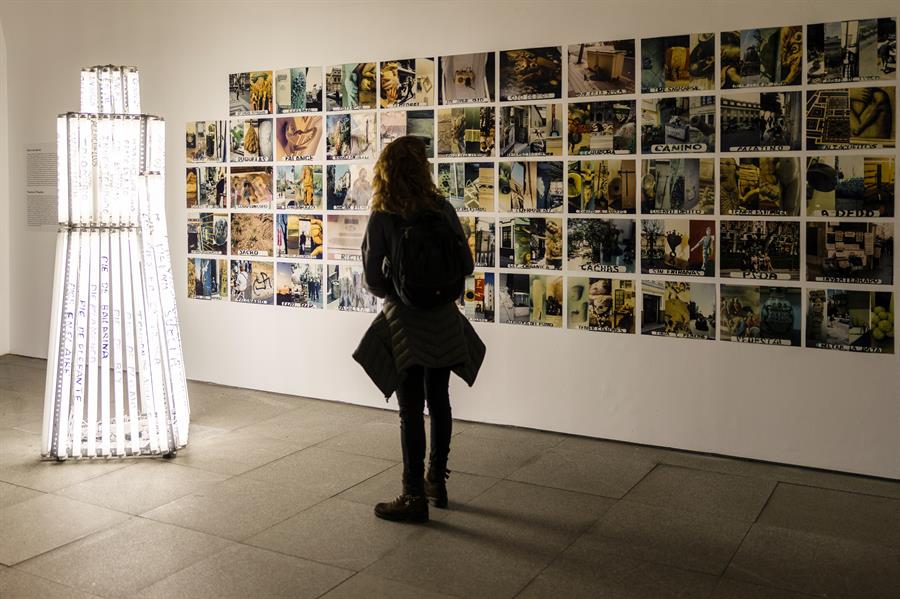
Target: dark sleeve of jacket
(376, 246)
(468, 261)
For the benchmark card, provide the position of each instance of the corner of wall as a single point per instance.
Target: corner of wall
(5, 204)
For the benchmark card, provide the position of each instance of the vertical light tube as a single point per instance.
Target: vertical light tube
(89, 90)
(134, 415)
(93, 343)
(51, 396)
(132, 90)
(118, 363)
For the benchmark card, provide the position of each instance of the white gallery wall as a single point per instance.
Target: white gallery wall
(827, 409)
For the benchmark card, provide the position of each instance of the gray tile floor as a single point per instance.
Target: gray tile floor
(274, 495)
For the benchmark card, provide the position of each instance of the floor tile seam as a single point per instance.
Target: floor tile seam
(348, 452)
(317, 503)
(245, 543)
(285, 456)
(542, 486)
(330, 437)
(836, 490)
(21, 486)
(42, 577)
(890, 549)
(100, 530)
(184, 567)
(333, 587)
(692, 512)
(688, 512)
(766, 503)
(558, 556)
(395, 549)
(766, 586)
(639, 481)
(59, 491)
(476, 435)
(766, 464)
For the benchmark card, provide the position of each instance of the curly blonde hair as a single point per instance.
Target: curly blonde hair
(402, 183)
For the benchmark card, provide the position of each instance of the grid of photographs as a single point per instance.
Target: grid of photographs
(725, 198)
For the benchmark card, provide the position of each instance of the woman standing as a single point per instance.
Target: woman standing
(413, 350)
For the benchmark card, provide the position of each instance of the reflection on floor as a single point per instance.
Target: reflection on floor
(274, 497)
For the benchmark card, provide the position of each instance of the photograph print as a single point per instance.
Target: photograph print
(532, 186)
(299, 285)
(850, 252)
(846, 51)
(205, 141)
(251, 186)
(761, 315)
(601, 245)
(531, 129)
(250, 93)
(678, 186)
(851, 118)
(298, 89)
(850, 186)
(347, 291)
(678, 125)
(602, 128)
(299, 137)
(762, 57)
(761, 121)
(760, 249)
(845, 320)
(531, 74)
(252, 282)
(408, 82)
(477, 299)
(678, 247)
(299, 236)
(207, 233)
(601, 186)
(678, 63)
(479, 232)
(465, 132)
(468, 186)
(345, 236)
(298, 187)
(531, 243)
(601, 304)
(206, 187)
(763, 186)
(350, 86)
(251, 234)
(526, 299)
(678, 309)
(349, 186)
(601, 68)
(351, 136)
(250, 140)
(466, 78)
(207, 279)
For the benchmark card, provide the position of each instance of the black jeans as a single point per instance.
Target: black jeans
(421, 385)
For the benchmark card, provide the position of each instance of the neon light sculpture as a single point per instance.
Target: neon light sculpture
(115, 373)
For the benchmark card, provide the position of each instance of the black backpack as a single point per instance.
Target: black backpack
(426, 262)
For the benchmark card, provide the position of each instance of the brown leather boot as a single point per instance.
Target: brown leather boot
(405, 508)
